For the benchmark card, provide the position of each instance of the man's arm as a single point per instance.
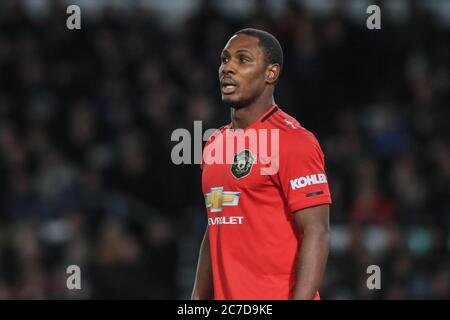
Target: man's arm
(314, 224)
(203, 286)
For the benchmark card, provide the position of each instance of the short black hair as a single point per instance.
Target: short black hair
(270, 45)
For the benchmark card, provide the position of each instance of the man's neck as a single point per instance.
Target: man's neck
(243, 117)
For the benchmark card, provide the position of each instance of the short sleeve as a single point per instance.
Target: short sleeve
(301, 173)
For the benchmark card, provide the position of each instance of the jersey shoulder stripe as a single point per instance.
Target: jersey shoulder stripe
(283, 121)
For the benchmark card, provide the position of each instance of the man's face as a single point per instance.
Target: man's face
(242, 71)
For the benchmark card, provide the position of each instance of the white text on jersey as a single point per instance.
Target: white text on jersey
(308, 180)
(225, 220)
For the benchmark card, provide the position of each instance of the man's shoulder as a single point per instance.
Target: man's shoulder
(291, 131)
(223, 128)
(218, 132)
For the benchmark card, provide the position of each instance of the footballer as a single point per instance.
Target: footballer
(268, 235)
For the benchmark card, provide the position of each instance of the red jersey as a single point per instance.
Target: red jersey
(253, 239)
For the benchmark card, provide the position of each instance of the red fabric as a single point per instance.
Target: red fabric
(253, 240)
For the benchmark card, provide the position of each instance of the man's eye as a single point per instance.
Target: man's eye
(243, 59)
(224, 59)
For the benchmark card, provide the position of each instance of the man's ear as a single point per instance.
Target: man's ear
(272, 73)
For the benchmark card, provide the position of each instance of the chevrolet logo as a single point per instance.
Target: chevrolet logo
(218, 198)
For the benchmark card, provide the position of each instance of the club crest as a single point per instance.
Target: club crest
(242, 164)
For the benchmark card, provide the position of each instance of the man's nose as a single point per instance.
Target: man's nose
(229, 68)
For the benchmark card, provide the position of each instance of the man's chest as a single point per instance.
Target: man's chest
(225, 185)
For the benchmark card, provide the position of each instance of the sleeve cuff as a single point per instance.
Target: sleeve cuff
(307, 203)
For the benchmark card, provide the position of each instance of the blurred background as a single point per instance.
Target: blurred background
(86, 117)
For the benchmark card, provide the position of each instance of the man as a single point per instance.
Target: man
(268, 233)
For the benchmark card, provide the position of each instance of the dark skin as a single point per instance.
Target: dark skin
(247, 85)
(243, 62)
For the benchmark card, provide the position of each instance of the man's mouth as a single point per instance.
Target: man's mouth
(228, 86)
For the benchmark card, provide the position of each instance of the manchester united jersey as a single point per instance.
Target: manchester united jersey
(250, 200)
